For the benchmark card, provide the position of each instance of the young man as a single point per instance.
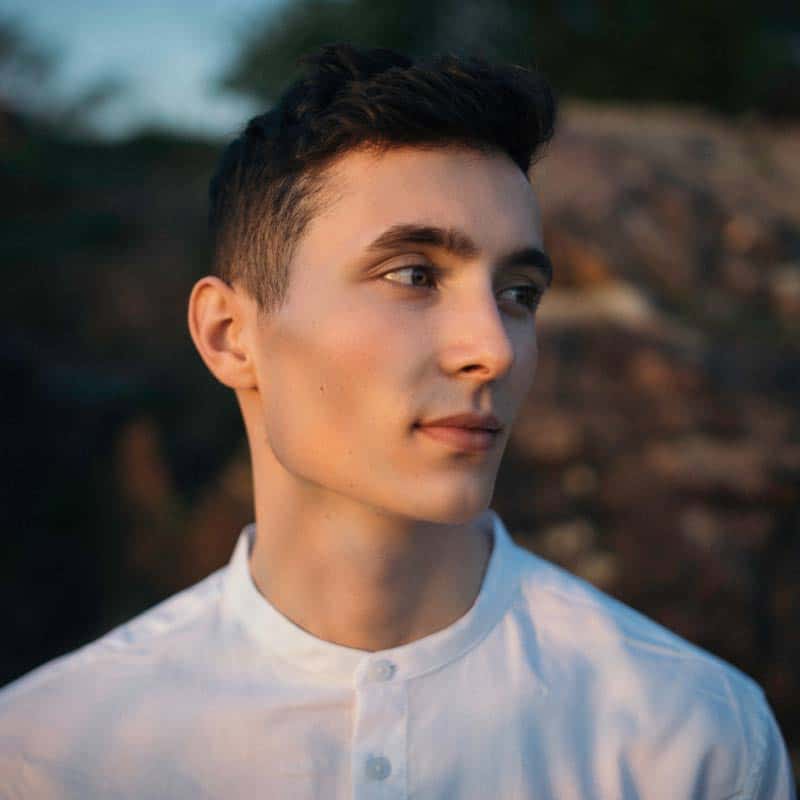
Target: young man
(377, 634)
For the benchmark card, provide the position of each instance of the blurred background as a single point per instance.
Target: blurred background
(659, 455)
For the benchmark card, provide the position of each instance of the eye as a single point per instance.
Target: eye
(420, 267)
(530, 293)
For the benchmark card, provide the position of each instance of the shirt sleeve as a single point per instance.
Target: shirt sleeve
(772, 776)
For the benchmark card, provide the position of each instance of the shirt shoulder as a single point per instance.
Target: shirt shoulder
(566, 604)
(104, 697)
(631, 666)
(65, 693)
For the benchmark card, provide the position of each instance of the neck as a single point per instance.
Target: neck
(368, 586)
(352, 573)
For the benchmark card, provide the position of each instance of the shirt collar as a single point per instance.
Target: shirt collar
(334, 663)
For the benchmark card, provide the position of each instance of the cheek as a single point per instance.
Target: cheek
(336, 381)
(534, 362)
(524, 374)
(531, 353)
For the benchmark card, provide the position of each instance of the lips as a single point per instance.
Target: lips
(468, 421)
(473, 440)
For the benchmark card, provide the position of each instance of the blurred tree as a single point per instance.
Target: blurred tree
(266, 62)
(23, 64)
(27, 69)
(728, 55)
(719, 54)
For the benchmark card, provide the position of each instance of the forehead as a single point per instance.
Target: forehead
(485, 194)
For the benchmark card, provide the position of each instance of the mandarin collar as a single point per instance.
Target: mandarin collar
(332, 663)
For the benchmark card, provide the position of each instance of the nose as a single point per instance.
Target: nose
(476, 336)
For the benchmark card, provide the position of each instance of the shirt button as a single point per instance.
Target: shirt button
(378, 768)
(381, 670)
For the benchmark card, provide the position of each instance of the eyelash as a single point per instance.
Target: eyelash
(437, 274)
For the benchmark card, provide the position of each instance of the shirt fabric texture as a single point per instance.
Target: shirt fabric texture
(546, 688)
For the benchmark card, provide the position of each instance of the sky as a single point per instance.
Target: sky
(166, 51)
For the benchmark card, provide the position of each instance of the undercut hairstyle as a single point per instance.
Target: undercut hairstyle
(270, 181)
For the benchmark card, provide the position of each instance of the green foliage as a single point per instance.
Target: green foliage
(267, 60)
(23, 64)
(718, 54)
(27, 68)
(727, 55)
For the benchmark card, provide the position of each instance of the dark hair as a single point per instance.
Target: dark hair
(269, 182)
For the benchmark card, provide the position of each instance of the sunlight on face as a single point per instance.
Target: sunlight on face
(364, 347)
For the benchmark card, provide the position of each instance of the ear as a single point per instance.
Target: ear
(218, 318)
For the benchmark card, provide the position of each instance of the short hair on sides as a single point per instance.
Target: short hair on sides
(269, 182)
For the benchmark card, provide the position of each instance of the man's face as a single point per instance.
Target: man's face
(365, 348)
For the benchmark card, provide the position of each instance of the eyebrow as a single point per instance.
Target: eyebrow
(458, 243)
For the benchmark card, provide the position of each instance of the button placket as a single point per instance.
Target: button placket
(378, 768)
(382, 670)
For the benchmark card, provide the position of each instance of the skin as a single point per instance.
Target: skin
(370, 534)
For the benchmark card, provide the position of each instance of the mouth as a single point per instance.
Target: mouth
(473, 440)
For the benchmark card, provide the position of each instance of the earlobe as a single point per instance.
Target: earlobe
(216, 318)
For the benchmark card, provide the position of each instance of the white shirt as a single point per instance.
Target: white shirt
(545, 688)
